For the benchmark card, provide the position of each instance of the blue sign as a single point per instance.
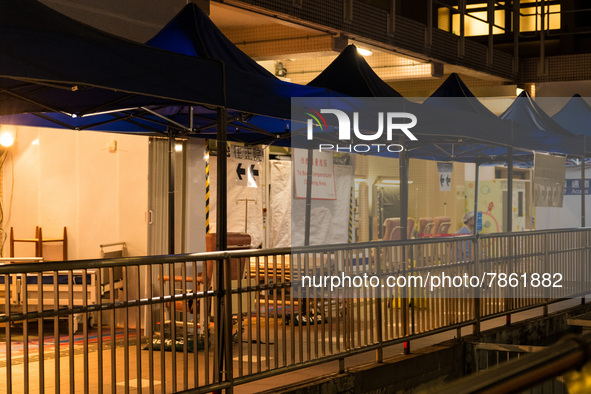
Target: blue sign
(479, 221)
(572, 187)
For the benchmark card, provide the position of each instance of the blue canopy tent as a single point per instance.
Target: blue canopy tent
(537, 131)
(191, 32)
(220, 76)
(350, 74)
(51, 63)
(445, 133)
(542, 133)
(242, 85)
(453, 94)
(575, 116)
(453, 86)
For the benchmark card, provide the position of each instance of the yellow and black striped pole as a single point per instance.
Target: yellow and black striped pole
(207, 187)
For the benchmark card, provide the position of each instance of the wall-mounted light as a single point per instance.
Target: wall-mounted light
(7, 135)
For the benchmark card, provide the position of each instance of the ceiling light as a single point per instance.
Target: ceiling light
(364, 52)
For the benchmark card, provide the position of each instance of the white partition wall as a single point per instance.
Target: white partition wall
(93, 183)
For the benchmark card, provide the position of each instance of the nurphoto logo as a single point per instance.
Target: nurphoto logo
(388, 123)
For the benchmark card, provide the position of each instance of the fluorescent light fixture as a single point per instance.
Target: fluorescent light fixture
(364, 52)
(178, 147)
(518, 91)
(392, 181)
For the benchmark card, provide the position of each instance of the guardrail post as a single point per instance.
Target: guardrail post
(546, 262)
(476, 249)
(403, 163)
(227, 294)
(477, 295)
(379, 319)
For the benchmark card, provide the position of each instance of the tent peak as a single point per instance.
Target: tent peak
(191, 32)
(350, 74)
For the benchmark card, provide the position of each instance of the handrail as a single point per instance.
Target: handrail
(220, 255)
(572, 352)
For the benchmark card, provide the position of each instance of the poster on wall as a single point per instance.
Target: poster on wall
(549, 178)
(323, 178)
(444, 171)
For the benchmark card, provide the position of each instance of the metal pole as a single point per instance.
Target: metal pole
(171, 172)
(429, 38)
(403, 173)
(583, 185)
(476, 249)
(221, 235)
(490, 17)
(516, 11)
(462, 40)
(509, 210)
(542, 38)
(476, 180)
(403, 160)
(304, 307)
(308, 197)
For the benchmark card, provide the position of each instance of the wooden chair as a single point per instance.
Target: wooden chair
(34, 240)
(38, 240)
(63, 240)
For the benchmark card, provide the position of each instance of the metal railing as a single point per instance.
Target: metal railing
(154, 327)
(535, 371)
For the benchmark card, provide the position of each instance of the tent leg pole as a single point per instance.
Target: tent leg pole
(221, 240)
